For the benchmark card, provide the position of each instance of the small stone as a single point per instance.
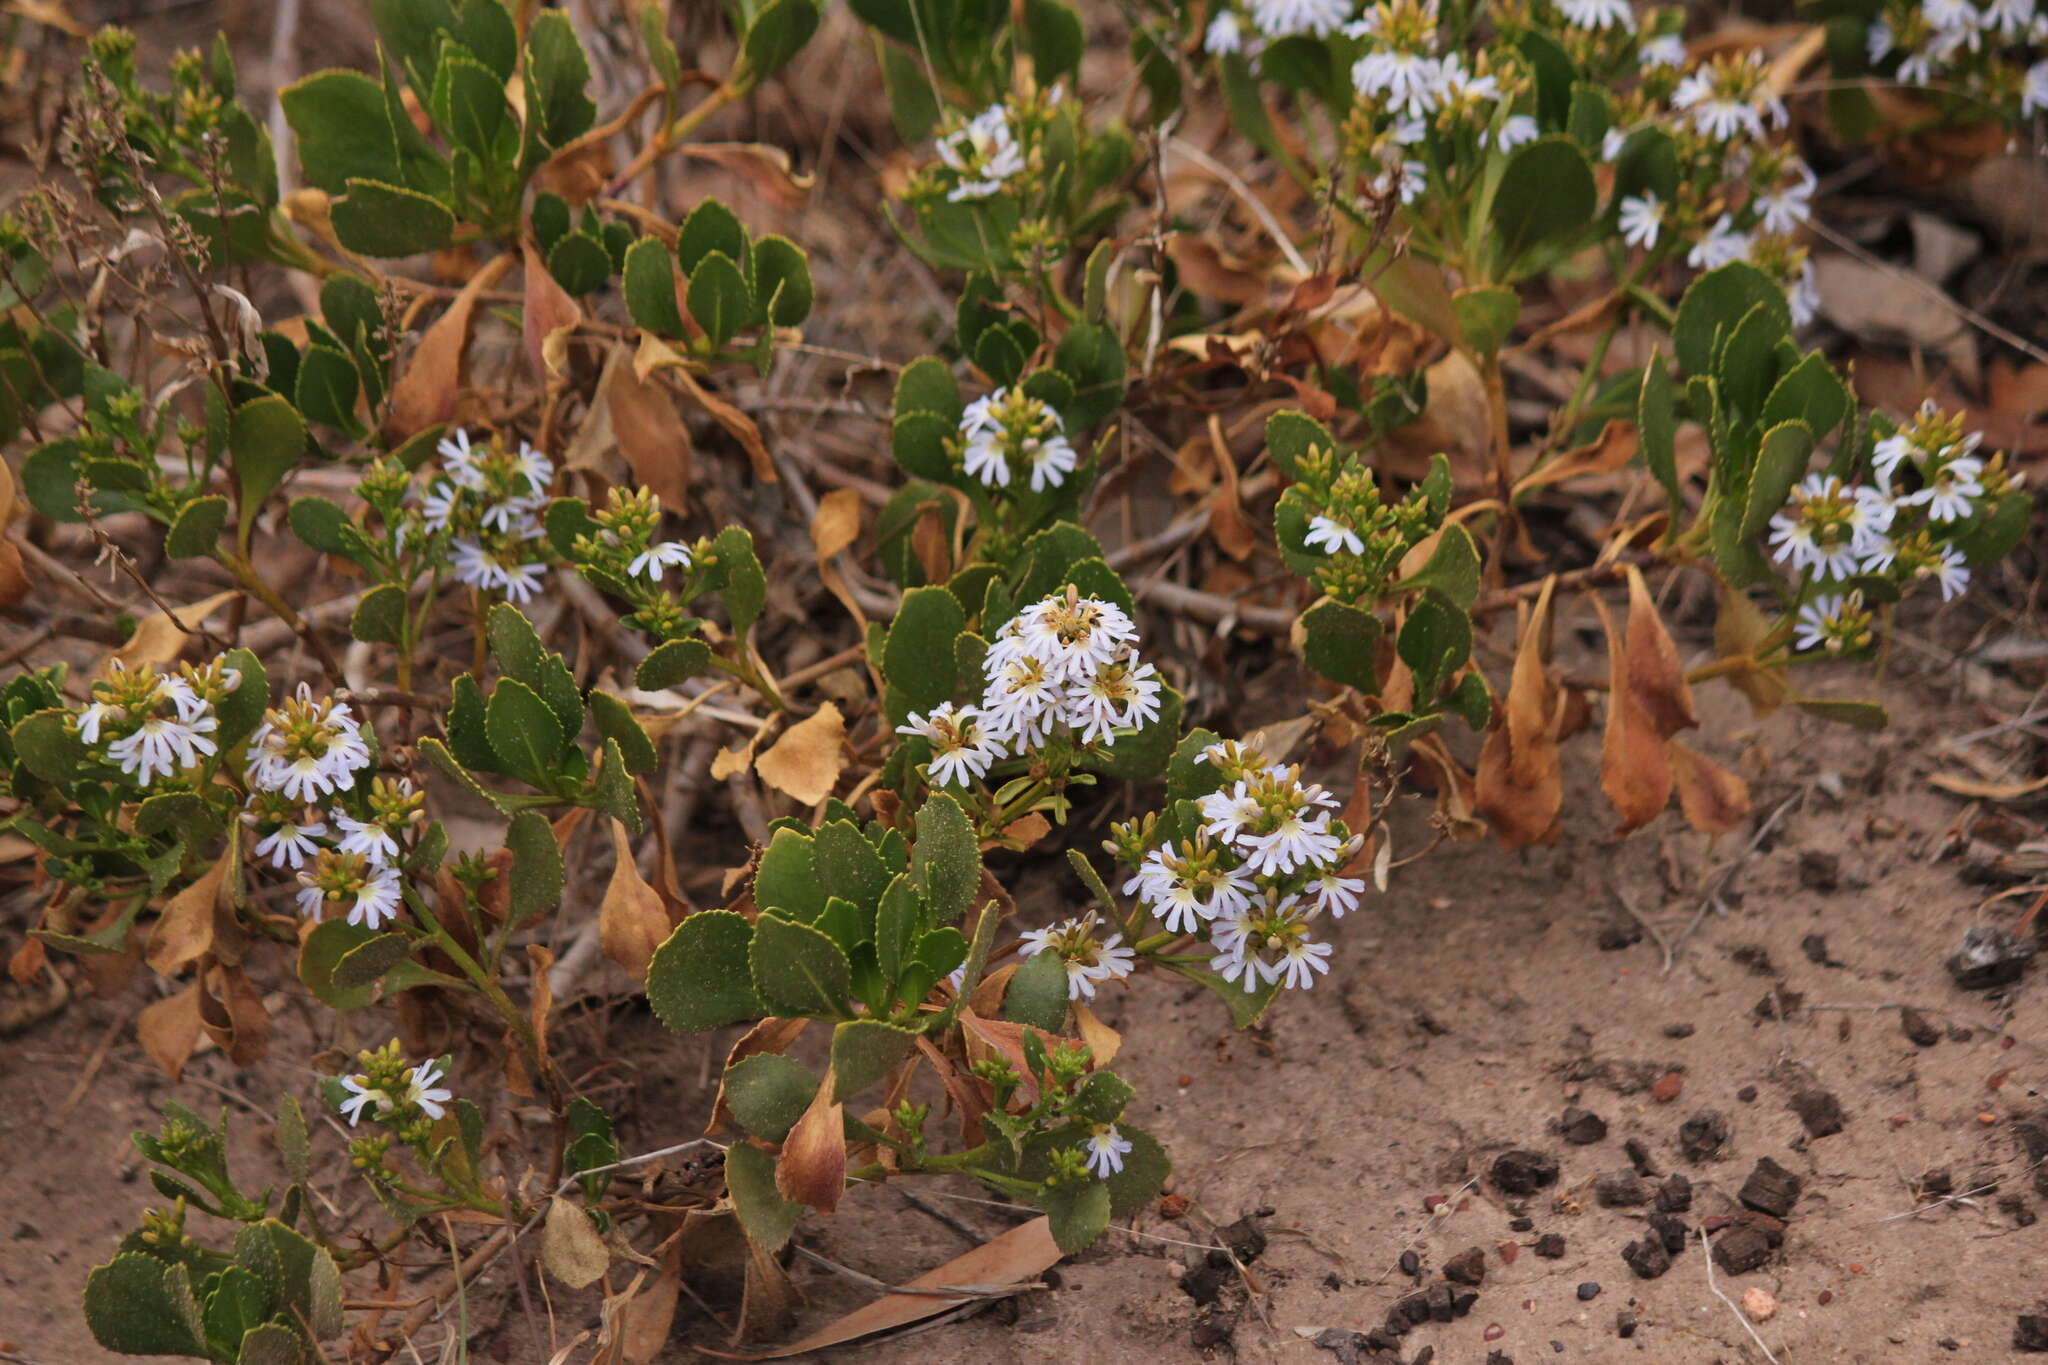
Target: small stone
(1494, 1332)
(1820, 1111)
(1462, 1300)
(1522, 1171)
(1759, 1304)
(1756, 957)
(1819, 871)
(1773, 1229)
(1521, 1225)
(1550, 1246)
(1674, 1195)
(1467, 1267)
(1914, 1025)
(1612, 938)
(1747, 1094)
(1740, 1250)
(1411, 1264)
(1624, 1324)
(1647, 1258)
(1415, 1308)
(1701, 1137)
(2030, 1333)
(1667, 1087)
(1439, 1296)
(1671, 1231)
(1499, 1358)
(1589, 1291)
(1425, 1356)
(1581, 1127)
(1679, 1030)
(1639, 1156)
(1937, 1183)
(1621, 1190)
(1770, 1189)
(1990, 955)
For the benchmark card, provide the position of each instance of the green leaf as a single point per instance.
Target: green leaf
(612, 790)
(615, 720)
(1781, 461)
(366, 963)
(138, 1305)
(918, 441)
(927, 385)
(1079, 1212)
(197, 530)
(671, 663)
(271, 1343)
(557, 110)
(1486, 314)
(787, 879)
(1452, 568)
(342, 129)
(470, 107)
(650, 288)
(899, 918)
(1092, 358)
(1341, 642)
(1133, 1189)
(326, 528)
(580, 264)
(777, 34)
(1714, 303)
(524, 733)
(1996, 533)
(379, 618)
(864, 1051)
(718, 298)
(46, 744)
(768, 1218)
(746, 587)
(918, 656)
(1647, 162)
(710, 227)
(383, 220)
(782, 281)
(1546, 195)
(328, 387)
(266, 437)
(535, 877)
(1435, 642)
(847, 863)
(1101, 1096)
(1809, 392)
(1747, 361)
(1037, 993)
(1290, 436)
(1657, 428)
(797, 969)
(699, 979)
(1053, 37)
(518, 649)
(946, 859)
(768, 1092)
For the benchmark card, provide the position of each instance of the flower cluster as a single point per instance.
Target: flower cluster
(1090, 957)
(1265, 862)
(1009, 432)
(982, 155)
(152, 724)
(1928, 484)
(487, 501)
(392, 1092)
(1068, 663)
(1355, 536)
(1988, 51)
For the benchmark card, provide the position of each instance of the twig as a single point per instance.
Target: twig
(939, 1215)
(940, 1291)
(1244, 193)
(1220, 611)
(1740, 1316)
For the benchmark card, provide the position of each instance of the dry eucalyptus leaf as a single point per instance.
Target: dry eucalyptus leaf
(812, 1168)
(805, 763)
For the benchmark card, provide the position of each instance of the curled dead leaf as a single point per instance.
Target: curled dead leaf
(1634, 771)
(649, 430)
(766, 168)
(168, 1030)
(1520, 781)
(1714, 800)
(548, 318)
(160, 638)
(1614, 447)
(812, 1168)
(185, 930)
(427, 388)
(631, 922)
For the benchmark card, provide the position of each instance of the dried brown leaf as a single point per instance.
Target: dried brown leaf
(650, 432)
(185, 930)
(159, 638)
(1715, 801)
(168, 1030)
(812, 1167)
(1612, 449)
(766, 168)
(548, 318)
(806, 762)
(428, 387)
(631, 923)
(570, 1246)
(1634, 771)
